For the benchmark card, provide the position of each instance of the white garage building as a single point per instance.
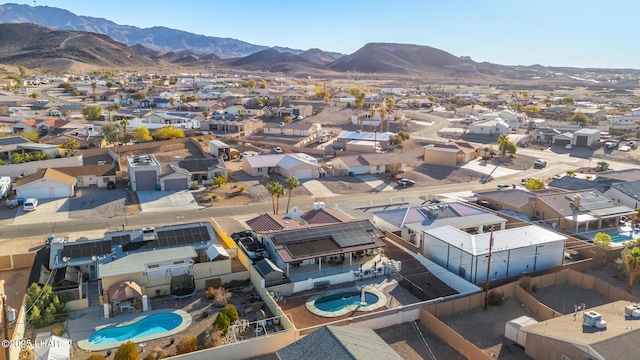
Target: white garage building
(45, 184)
(514, 252)
(144, 171)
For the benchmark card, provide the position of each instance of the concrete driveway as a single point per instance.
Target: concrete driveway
(489, 169)
(317, 189)
(161, 201)
(375, 183)
(91, 203)
(48, 211)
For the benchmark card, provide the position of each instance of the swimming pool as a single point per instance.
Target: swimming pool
(618, 235)
(135, 328)
(340, 302)
(150, 325)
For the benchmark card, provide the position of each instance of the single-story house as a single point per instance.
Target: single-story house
(346, 136)
(518, 200)
(563, 139)
(514, 251)
(297, 128)
(451, 153)
(579, 211)
(204, 168)
(489, 127)
(299, 165)
(267, 223)
(91, 175)
(409, 223)
(174, 177)
(625, 193)
(367, 164)
(45, 184)
(233, 126)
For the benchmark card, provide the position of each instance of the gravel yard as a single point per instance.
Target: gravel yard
(562, 298)
(413, 341)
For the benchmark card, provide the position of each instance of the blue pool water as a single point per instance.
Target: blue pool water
(622, 236)
(340, 301)
(150, 325)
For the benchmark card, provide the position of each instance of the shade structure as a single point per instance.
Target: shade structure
(124, 290)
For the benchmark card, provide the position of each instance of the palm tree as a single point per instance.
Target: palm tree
(293, 183)
(631, 260)
(172, 101)
(359, 105)
(390, 105)
(383, 115)
(502, 142)
(372, 113)
(94, 85)
(276, 190)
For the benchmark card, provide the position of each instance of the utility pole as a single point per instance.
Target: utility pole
(486, 283)
(5, 323)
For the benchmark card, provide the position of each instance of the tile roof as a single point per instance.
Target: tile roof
(514, 197)
(324, 216)
(271, 223)
(338, 343)
(264, 223)
(49, 174)
(97, 170)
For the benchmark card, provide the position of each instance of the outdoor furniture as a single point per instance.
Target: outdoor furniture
(125, 305)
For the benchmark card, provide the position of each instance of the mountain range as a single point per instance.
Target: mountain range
(49, 38)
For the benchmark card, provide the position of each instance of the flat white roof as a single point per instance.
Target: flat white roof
(508, 239)
(137, 262)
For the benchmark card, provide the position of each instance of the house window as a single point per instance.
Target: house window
(105, 179)
(153, 266)
(259, 170)
(178, 262)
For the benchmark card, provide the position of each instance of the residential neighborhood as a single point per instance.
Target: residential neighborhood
(196, 212)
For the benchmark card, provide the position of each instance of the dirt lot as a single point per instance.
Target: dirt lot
(615, 277)
(563, 298)
(491, 339)
(413, 341)
(346, 185)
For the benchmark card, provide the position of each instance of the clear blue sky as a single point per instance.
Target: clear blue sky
(585, 33)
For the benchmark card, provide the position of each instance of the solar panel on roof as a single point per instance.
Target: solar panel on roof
(87, 249)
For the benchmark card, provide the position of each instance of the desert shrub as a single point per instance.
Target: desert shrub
(241, 188)
(187, 345)
(222, 323)
(495, 298)
(214, 338)
(58, 331)
(45, 307)
(218, 296)
(230, 311)
(97, 357)
(126, 351)
(157, 354)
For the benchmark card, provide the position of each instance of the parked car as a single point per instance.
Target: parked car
(632, 144)
(30, 204)
(406, 182)
(624, 148)
(111, 185)
(540, 163)
(568, 146)
(277, 150)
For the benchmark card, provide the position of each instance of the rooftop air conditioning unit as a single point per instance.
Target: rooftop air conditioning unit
(594, 319)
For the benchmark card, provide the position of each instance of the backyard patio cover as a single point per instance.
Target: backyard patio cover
(124, 290)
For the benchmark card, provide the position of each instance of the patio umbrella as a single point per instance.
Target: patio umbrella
(125, 290)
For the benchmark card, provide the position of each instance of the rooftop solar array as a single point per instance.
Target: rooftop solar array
(592, 201)
(198, 164)
(165, 238)
(13, 140)
(344, 234)
(86, 249)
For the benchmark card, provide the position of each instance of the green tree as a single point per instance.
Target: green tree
(206, 113)
(372, 113)
(602, 239)
(231, 312)
(631, 261)
(92, 112)
(126, 351)
(403, 135)
(222, 323)
(390, 103)
(602, 166)
(67, 86)
(123, 125)
(383, 115)
(506, 146)
(579, 118)
(168, 132)
(355, 91)
(24, 73)
(172, 102)
(35, 95)
(109, 131)
(279, 101)
(534, 184)
(70, 144)
(220, 180)
(142, 134)
(31, 135)
(292, 184)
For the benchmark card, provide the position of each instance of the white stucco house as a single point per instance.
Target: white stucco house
(514, 252)
(45, 184)
(489, 127)
(299, 165)
(625, 193)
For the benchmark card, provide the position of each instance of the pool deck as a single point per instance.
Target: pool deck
(87, 323)
(382, 301)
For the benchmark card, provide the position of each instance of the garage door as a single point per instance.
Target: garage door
(303, 173)
(358, 170)
(176, 184)
(61, 191)
(581, 140)
(145, 180)
(33, 193)
(561, 142)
